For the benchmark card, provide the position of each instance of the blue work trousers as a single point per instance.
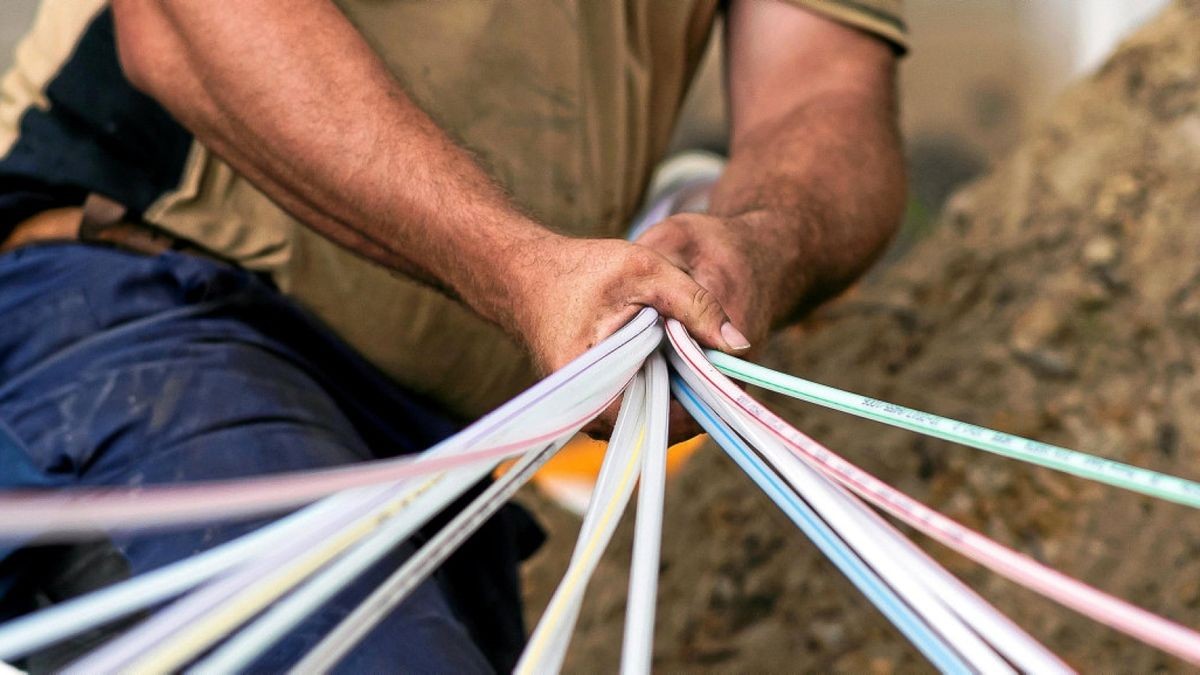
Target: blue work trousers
(123, 369)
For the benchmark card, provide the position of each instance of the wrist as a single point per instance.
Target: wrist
(774, 245)
(504, 284)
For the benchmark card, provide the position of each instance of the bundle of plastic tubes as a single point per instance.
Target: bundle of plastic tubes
(220, 610)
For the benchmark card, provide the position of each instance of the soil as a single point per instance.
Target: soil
(1058, 299)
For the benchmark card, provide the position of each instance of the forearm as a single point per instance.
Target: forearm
(311, 115)
(817, 192)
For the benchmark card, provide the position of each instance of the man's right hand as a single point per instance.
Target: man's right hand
(576, 292)
(572, 293)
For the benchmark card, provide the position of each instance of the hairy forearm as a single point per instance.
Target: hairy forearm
(815, 182)
(818, 191)
(310, 114)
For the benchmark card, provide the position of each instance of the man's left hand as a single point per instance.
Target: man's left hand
(721, 257)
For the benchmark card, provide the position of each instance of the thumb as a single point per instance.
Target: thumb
(678, 296)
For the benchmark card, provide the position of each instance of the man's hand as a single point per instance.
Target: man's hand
(580, 291)
(724, 256)
(575, 292)
(720, 255)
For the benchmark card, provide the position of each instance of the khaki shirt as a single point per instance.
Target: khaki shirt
(569, 104)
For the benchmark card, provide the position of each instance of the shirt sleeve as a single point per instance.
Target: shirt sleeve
(884, 18)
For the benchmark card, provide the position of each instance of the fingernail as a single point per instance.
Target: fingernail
(734, 338)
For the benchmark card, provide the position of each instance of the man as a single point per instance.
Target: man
(204, 151)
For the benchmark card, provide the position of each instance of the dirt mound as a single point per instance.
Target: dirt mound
(1059, 299)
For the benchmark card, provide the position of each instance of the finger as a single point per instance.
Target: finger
(678, 296)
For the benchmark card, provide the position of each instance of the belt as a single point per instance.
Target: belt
(101, 221)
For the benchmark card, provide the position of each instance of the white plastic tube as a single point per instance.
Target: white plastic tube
(173, 636)
(819, 493)
(1135, 621)
(638, 644)
(618, 474)
(248, 644)
(356, 625)
(59, 622)
(80, 512)
(884, 597)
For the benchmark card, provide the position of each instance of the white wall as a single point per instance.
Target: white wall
(1103, 23)
(1068, 38)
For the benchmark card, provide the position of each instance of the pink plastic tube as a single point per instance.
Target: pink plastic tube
(1114, 612)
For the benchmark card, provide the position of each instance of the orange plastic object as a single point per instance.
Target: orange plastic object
(569, 476)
